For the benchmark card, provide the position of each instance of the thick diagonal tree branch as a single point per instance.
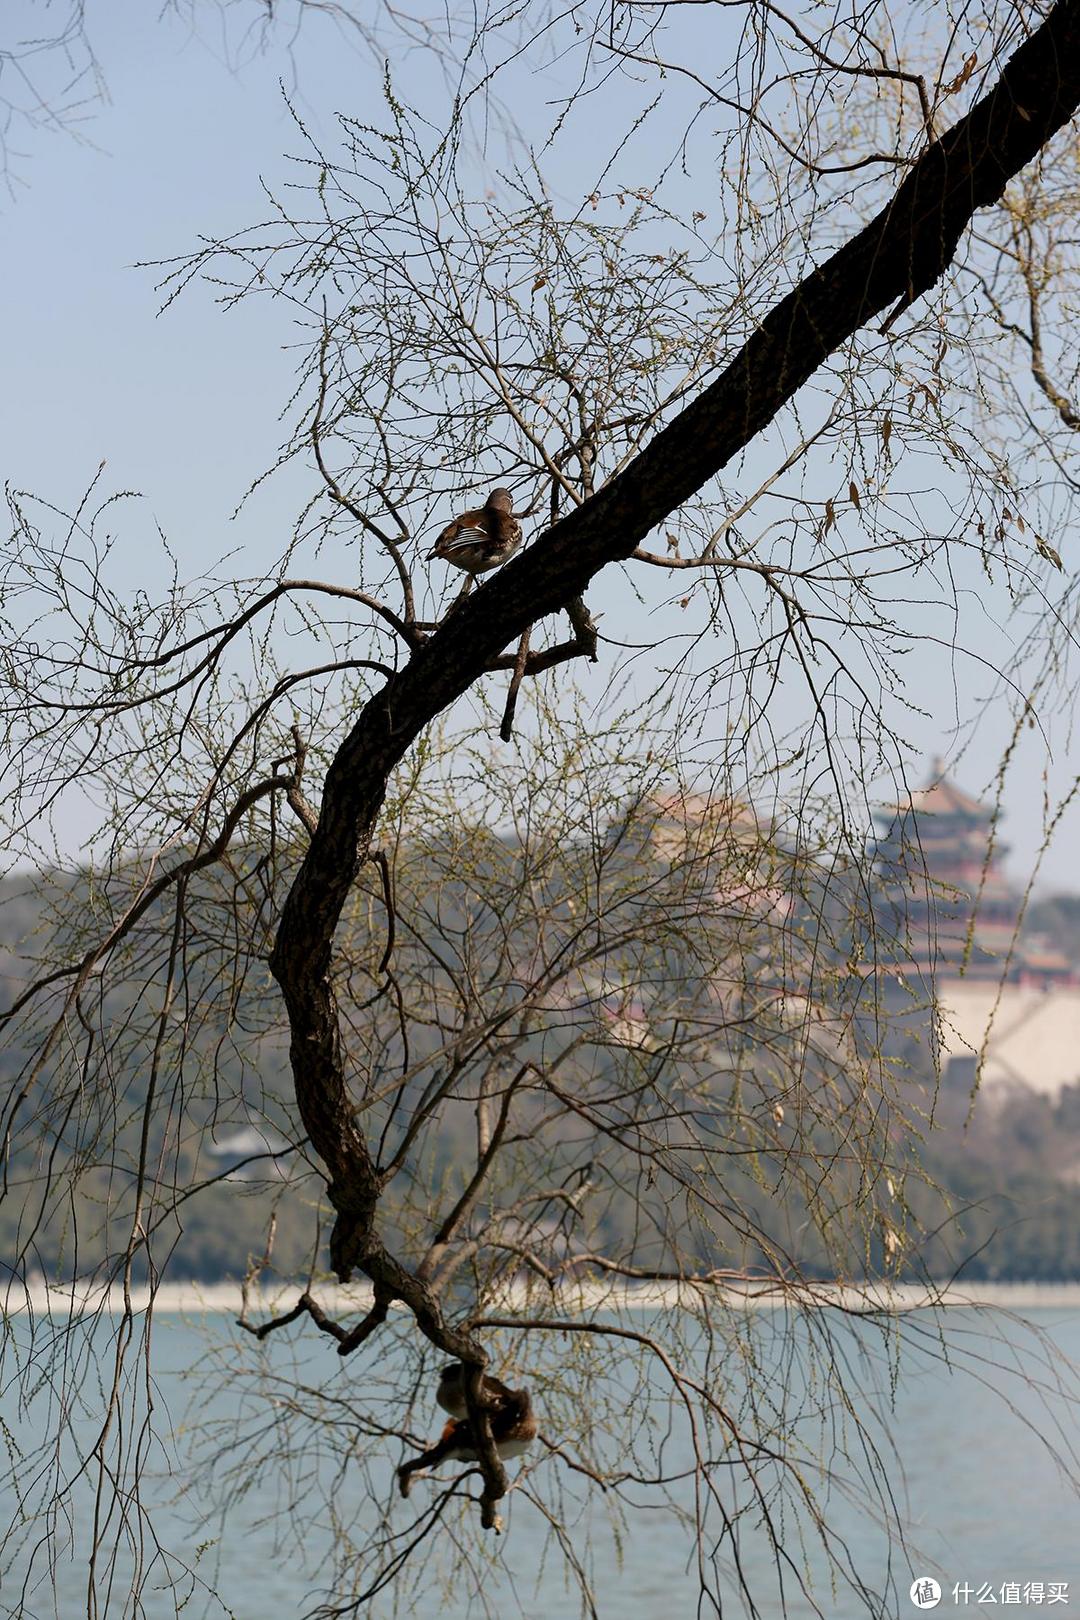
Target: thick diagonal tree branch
(898, 256)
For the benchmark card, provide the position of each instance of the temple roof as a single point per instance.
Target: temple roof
(939, 797)
(694, 809)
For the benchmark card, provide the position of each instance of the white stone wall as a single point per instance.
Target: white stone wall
(1034, 1035)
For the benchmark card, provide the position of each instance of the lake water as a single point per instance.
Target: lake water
(985, 1504)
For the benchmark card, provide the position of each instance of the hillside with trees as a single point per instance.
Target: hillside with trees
(992, 1190)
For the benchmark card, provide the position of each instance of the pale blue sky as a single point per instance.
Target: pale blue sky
(184, 407)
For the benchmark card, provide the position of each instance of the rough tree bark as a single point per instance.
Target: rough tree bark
(897, 257)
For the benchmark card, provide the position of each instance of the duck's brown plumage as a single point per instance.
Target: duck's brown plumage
(513, 1429)
(451, 1391)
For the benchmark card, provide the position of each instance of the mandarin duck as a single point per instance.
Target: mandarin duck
(481, 539)
(513, 1429)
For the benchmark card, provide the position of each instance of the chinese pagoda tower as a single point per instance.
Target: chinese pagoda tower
(944, 906)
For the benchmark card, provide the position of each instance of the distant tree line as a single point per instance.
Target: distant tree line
(993, 1192)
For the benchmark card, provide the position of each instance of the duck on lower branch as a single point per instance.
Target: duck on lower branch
(513, 1428)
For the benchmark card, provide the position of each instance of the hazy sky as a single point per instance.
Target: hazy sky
(184, 407)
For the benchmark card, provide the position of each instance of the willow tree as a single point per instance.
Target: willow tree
(548, 1015)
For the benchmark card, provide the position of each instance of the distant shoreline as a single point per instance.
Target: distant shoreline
(224, 1298)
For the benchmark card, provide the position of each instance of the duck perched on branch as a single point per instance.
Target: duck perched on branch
(481, 539)
(513, 1425)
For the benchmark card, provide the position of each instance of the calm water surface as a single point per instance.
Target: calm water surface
(983, 1499)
